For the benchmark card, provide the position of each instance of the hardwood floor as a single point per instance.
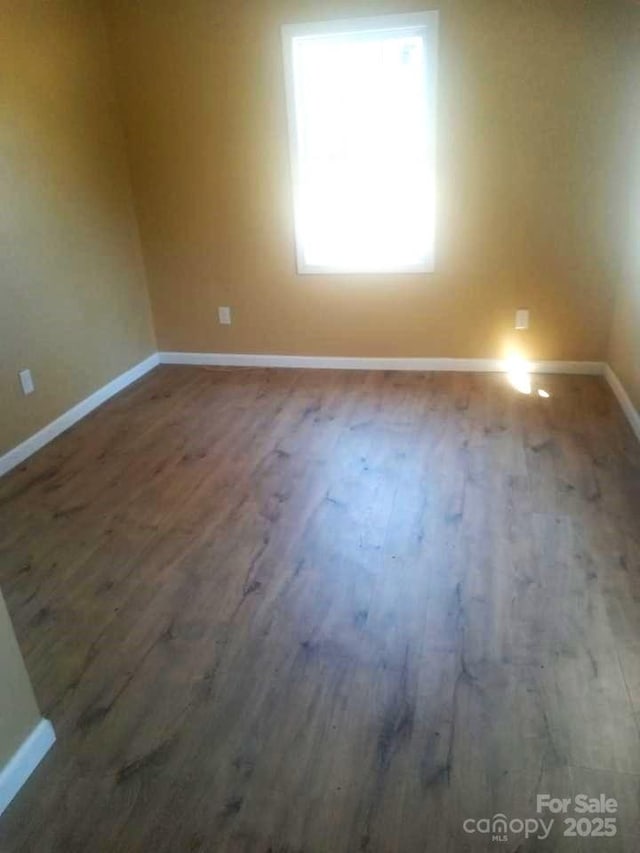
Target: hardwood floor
(328, 611)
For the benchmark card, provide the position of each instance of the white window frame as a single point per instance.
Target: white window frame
(424, 24)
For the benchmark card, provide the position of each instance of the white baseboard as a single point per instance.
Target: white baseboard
(633, 416)
(476, 365)
(23, 762)
(18, 454)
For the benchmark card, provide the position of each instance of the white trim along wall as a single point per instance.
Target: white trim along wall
(24, 761)
(23, 451)
(27, 448)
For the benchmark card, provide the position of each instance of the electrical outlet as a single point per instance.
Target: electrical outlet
(522, 318)
(224, 315)
(26, 380)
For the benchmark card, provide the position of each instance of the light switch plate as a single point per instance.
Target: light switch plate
(224, 315)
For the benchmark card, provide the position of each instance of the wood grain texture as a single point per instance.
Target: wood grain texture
(327, 611)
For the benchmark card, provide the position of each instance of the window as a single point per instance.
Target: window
(361, 103)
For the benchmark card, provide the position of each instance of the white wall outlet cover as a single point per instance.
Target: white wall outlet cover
(224, 315)
(26, 380)
(522, 318)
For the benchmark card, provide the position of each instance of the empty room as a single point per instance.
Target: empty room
(319, 426)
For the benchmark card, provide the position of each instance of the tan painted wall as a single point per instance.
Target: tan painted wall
(73, 302)
(19, 713)
(624, 345)
(526, 211)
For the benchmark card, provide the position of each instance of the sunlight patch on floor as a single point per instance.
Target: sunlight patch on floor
(520, 377)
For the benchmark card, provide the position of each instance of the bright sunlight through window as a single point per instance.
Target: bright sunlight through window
(361, 102)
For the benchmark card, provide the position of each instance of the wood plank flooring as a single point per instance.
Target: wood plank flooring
(317, 611)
